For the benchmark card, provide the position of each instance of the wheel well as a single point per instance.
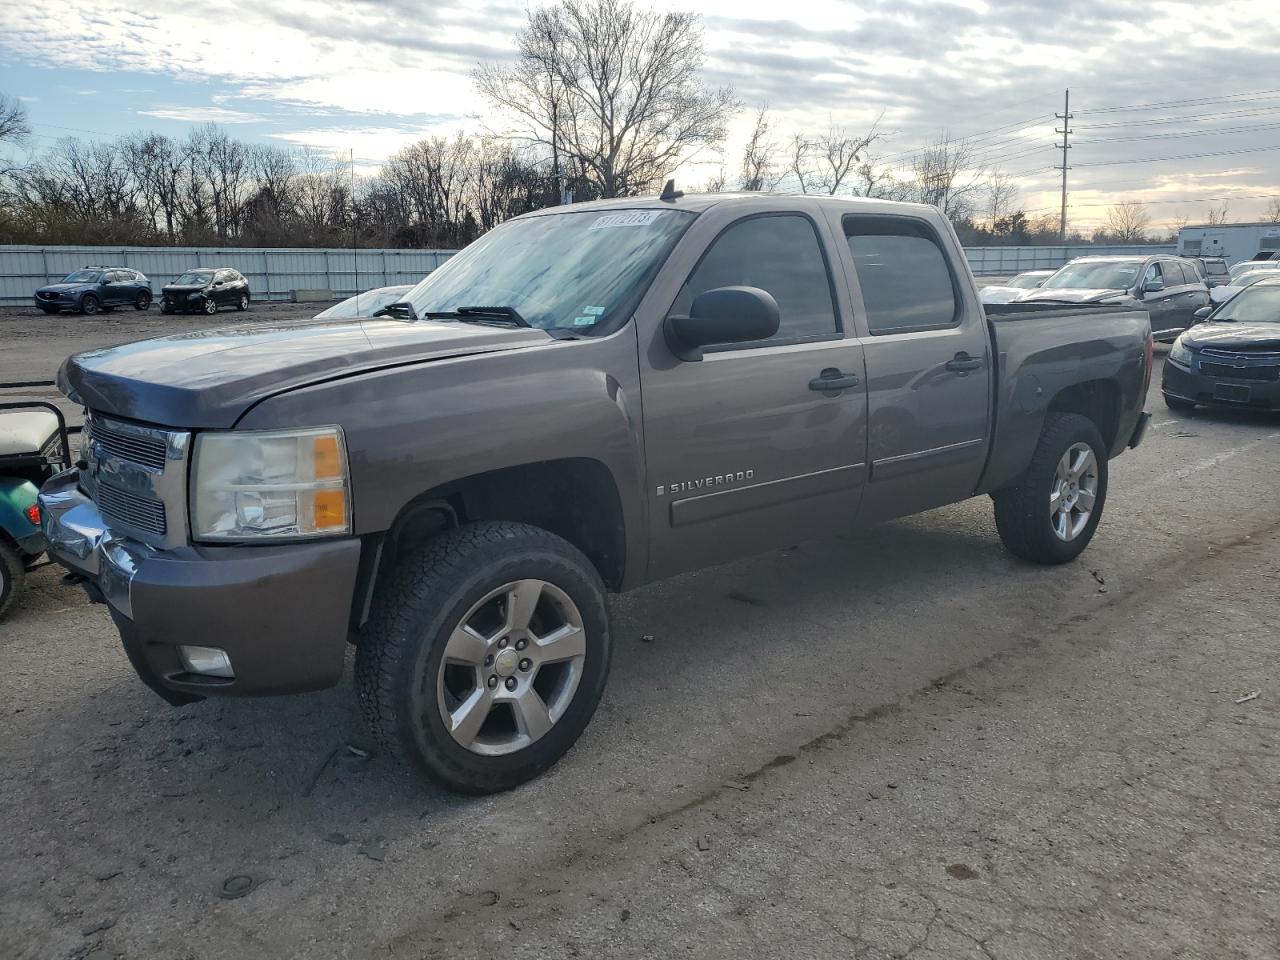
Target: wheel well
(1099, 400)
(576, 499)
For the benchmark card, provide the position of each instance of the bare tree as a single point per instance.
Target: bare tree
(830, 162)
(759, 156)
(1127, 222)
(947, 175)
(613, 88)
(1001, 195)
(716, 183)
(1218, 215)
(1273, 211)
(14, 127)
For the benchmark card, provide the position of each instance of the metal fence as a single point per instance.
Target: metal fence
(272, 273)
(1003, 261)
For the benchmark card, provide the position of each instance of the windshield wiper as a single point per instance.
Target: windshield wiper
(492, 316)
(400, 310)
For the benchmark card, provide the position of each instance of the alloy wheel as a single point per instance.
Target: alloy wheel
(1074, 492)
(511, 667)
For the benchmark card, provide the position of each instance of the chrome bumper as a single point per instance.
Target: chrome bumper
(80, 540)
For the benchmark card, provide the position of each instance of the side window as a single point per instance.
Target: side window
(223, 276)
(1153, 273)
(779, 254)
(903, 274)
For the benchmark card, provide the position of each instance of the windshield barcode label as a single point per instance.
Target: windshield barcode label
(632, 218)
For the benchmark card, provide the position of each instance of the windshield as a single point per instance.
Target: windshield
(1098, 275)
(560, 271)
(194, 278)
(1257, 304)
(1249, 265)
(1027, 281)
(364, 304)
(82, 276)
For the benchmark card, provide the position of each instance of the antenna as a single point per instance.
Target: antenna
(670, 193)
(355, 245)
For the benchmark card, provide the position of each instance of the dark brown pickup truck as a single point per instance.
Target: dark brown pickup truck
(586, 399)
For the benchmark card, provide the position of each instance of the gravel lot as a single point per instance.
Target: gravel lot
(900, 743)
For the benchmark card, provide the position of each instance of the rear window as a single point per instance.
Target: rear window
(905, 280)
(1216, 268)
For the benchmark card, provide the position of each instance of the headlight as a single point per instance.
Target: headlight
(270, 484)
(1179, 354)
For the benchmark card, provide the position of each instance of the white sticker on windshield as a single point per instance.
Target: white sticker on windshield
(594, 311)
(632, 218)
(584, 321)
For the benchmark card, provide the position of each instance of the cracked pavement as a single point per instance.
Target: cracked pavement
(899, 743)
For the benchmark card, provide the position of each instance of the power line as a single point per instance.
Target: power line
(1190, 118)
(1185, 156)
(1245, 97)
(1220, 131)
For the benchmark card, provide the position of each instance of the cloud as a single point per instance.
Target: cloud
(202, 114)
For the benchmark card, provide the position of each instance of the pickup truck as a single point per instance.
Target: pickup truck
(584, 400)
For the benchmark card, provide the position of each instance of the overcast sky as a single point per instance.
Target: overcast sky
(373, 76)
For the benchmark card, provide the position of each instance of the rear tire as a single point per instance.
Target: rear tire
(143, 301)
(1177, 403)
(243, 303)
(464, 591)
(1030, 515)
(12, 573)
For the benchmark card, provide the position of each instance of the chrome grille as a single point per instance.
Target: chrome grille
(148, 451)
(1239, 373)
(131, 509)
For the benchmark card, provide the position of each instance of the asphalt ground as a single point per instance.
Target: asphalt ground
(900, 742)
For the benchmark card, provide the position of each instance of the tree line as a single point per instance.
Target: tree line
(603, 98)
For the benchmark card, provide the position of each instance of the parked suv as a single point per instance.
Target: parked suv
(1212, 270)
(1168, 288)
(454, 485)
(206, 289)
(96, 288)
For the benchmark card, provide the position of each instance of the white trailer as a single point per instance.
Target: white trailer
(1233, 241)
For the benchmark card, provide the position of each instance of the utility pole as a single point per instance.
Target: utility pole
(1065, 117)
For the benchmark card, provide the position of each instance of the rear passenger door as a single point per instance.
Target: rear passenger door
(745, 449)
(1162, 305)
(1192, 293)
(928, 363)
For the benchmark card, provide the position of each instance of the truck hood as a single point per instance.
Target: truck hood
(1234, 336)
(1073, 296)
(209, 378)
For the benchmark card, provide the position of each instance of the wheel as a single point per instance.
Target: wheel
(243, 303)
(485, 655)
(1177, 403)
(143, 300)
(210, 306)
(1051, 514)
(12, 573)
(90, 304)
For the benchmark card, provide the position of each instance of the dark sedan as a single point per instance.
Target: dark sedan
(96, 288)
(1231, 357)
(206, 290)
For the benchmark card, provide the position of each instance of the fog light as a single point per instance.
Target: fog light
(208, 661)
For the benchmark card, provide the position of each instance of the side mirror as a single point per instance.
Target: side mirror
(1152, 286)
(1202, 313)
(722, 315)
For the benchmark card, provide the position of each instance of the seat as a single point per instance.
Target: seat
(26, 431)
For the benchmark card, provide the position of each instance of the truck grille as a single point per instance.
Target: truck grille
(148, 451)
(130, 509)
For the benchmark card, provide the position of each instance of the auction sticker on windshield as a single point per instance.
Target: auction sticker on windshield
(632, 218)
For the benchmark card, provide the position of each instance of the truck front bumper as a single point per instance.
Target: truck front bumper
(280, 613)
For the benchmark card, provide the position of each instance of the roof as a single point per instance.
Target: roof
(1228, 226)
(698, 202)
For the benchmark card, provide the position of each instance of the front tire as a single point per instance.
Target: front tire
(12, 573)
(485, 655)
(1177, 403)
(1051, 514)
(89, 304)
(210, 306)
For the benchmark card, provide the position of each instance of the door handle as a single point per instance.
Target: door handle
(962, 362)
(833, 379)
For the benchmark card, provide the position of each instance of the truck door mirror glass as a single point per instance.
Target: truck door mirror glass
(1152, 286)
(722, 315)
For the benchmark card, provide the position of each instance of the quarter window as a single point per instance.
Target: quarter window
(903, 274)
(781, 255)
